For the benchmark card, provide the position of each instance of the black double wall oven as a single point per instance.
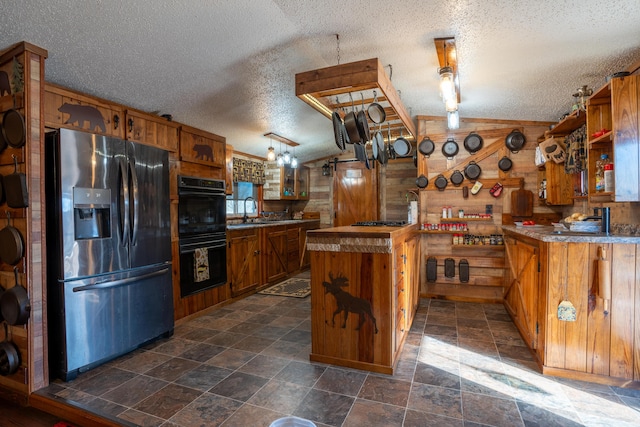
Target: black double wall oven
(202, 234)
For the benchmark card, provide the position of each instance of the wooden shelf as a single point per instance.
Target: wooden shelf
(445, 220)
(601, 141)
(570, 123)
(478, 247)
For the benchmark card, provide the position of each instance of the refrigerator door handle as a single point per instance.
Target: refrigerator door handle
(123, 203)
(116, 283)
(136, 205)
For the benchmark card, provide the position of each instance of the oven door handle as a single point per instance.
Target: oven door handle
(185, 192)
(190, 247)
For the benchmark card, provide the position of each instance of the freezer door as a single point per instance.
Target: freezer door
(90, 229)
(150, 224)
(108, 316)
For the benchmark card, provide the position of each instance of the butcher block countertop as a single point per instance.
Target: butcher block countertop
(549, 234)
(372, 239)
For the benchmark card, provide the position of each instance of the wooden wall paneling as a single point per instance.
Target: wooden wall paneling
(636, 323)
(623, 288)
(598, 323)
(556, 333)
(577, 292)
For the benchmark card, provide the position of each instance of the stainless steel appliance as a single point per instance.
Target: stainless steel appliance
(202, 224)
(108, 248)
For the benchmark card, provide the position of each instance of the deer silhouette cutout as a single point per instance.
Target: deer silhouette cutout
(347, 303)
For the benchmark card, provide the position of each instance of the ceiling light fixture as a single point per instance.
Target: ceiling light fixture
(271, 152)
(294, 159)
(286, 157)
(282, 158)
(448, 73)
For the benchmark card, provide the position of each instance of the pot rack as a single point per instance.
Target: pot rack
(333, 89)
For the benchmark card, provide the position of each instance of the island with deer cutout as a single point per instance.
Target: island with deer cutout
(364, 294)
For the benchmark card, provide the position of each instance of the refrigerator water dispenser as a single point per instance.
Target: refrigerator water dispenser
(91, 213)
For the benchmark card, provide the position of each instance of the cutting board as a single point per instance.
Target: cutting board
(522, 203)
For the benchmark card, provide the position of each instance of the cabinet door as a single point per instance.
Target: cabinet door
(293, 250)
(151, 130)
(64, 108)
(288, 183)
(399, 293)
(626, 146)
(244, 261)
(201, 147)
(229, 171)
(521, 293)
(303, 183)
(559, 184)
(275, 253)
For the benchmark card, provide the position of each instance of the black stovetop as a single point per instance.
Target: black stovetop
(380, 223)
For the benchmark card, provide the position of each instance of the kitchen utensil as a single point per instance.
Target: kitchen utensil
(337, 130)
(456, 178)
(426, 146)
(432, 269)
(496, 190)
(422, 181)
(15, 187)
(13, 128)
(14, 303)
(450, 148)
(505, 164)
(375, 111)
(401, 146)
(521, 203)
(363, 125)
(473, 142)
(351, 124)
(515, 141)
(463, 267)
(465, 191)
(9, 355)
(449, 267)
(441, 182)
(472, 171)
(11, 244)
(604, 279)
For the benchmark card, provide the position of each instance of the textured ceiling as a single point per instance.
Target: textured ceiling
(229, 66)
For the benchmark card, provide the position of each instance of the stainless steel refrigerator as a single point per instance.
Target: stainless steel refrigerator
(108, 249)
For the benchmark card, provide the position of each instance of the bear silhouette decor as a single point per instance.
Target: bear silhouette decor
(5, 86)
(203, 152)
(83, 113)
(348, 303)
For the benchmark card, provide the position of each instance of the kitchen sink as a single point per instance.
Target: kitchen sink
(577, 233)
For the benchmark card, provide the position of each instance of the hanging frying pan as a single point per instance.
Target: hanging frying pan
(450, 148)
(441, 182)
(351, 124)
(415, 159)
(337, 130)
(9, 355)
(375, 111)
(377, 143)
(363, 125)
(472, 171)
(3, 143)
(15, 187)
(401, 146)
(456, 178)
(422, 181)
(515, 141)
(11, 244)
(505, 164)
(14, 304)
(426, 146)
(13, 128)
(473, 142)
(1, 190)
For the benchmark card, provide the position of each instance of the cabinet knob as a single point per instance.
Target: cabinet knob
(130, 124)
(256, 252)
(116, 121)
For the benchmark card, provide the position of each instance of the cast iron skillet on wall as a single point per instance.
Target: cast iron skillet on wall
(426, 146)
(505, 164)
(422, 181)
(450, 148)
(456, 178)
(515, 141)
(472, 171)
(473, 142)
(441, 182)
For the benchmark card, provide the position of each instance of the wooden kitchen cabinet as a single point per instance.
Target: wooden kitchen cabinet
(615, 107)
(305, 260)
(405, 267)
(287, 183)
(151, 130)
(274, 242)
(559, 184)
(228, 188)
(293, 248)
(65, 108)
(244, 260)
(205, 148)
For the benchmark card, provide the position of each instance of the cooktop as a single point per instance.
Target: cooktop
(381, 223)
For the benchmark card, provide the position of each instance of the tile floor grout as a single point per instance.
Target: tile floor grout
(450, 373)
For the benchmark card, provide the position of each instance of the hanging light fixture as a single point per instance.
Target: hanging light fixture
(449, 89)
(326, 169)
(453, 119)
(271, 152)
(286, 157)
(280, 159)
(294, 159)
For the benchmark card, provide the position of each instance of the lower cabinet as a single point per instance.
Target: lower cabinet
(245, 260)
(275, 253)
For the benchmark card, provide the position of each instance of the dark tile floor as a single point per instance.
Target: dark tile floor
(247, 364)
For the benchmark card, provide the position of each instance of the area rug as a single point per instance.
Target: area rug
(297, 288)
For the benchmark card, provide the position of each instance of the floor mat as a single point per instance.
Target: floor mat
(296, 287)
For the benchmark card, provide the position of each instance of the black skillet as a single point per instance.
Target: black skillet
(473, 142)
(450, 148)
(13, 128)
(426, 146)
(11, 244)
(515, 141)
(14, 303)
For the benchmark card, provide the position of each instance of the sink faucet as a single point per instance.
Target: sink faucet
(245, 217)
(604, 215)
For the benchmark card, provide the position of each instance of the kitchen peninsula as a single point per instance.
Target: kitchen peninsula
(364, 294)
(594, 278)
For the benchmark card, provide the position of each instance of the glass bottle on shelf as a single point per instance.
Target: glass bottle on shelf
(608, 176)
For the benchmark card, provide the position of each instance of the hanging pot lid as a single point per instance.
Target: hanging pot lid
(375, 111)
(441, 182)
(473, 142)
(450, 148)
(505, 164)
(13, 128)
(426, 146)
(472, 171)
(456, 178)
(515, 141)
(422, 181)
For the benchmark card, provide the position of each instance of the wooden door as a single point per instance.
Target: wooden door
(355, 190)
(275, 242)
(521, 294)
(244, 261)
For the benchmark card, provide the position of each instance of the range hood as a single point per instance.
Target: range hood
(345, 86)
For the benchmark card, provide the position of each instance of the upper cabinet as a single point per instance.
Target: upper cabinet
(64, 108)
(613, 128)
(151, 130)
(202, 147)
(287, 183)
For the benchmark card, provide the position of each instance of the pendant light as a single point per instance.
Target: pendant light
(271, 152)
(286, 157)
(294, 159)
(280, 159)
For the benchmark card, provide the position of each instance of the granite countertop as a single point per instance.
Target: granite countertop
(546, 233)
(263, 223)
